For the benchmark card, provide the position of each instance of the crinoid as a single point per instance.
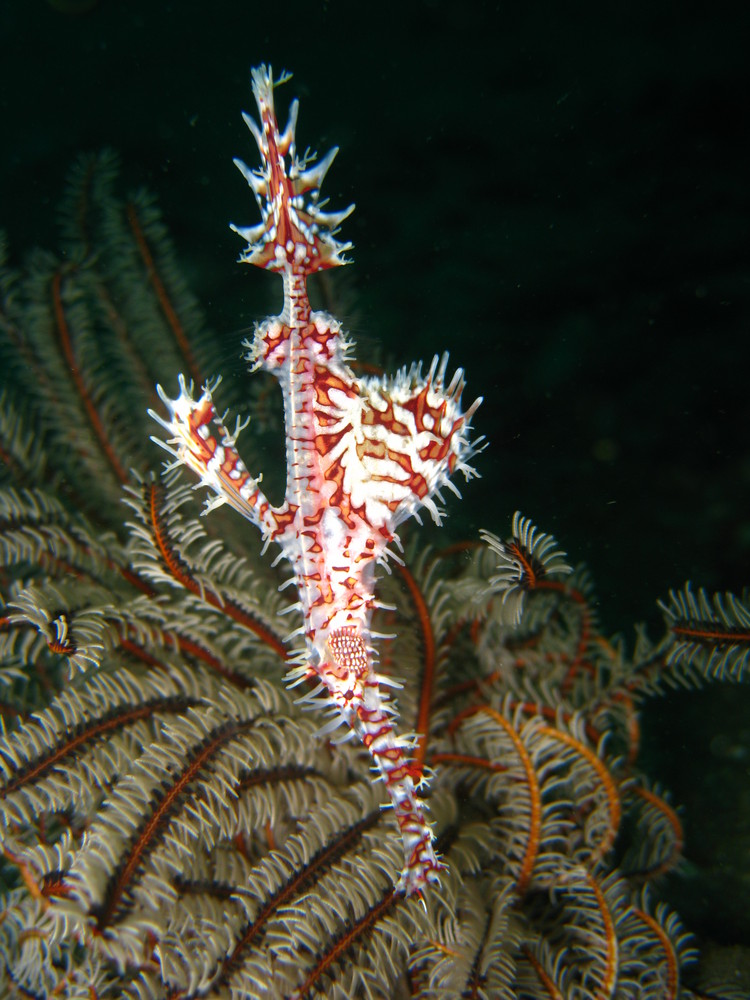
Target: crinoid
(174, 824)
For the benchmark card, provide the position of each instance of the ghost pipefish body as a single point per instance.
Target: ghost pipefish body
(363, 455)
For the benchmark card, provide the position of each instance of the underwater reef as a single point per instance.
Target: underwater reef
(173, 822)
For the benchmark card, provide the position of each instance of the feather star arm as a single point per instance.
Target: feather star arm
(363, 455)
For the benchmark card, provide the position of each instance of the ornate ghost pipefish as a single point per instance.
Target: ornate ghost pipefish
(363, 455)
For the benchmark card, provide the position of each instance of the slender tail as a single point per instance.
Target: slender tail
(390, 753)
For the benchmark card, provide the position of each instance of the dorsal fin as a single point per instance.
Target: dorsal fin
(295, 234)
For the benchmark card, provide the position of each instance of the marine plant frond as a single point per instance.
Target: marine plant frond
(37, 532)
(93, 732)
(649, 810)
(509, 753)
(666, 949)
(86, 415)
(710, 634)
(70, 617)
(526, 559)
(126, 862)
(140, 288)
(416, 620)
(84, 333)
(169, 548)
(475, 951)
(22, 457)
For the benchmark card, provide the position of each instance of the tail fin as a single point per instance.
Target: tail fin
(295, 234)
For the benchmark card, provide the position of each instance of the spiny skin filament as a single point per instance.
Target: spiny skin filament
(363, 455)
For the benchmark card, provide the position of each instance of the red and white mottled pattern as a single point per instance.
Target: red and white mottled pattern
(363, 454)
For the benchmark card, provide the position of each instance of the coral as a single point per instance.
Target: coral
(175, 825)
